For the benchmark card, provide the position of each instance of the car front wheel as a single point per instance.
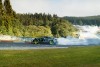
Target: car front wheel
(35, 42)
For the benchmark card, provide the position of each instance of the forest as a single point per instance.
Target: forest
(32, 25)
(88, 20)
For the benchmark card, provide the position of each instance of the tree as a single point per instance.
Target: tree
(8, 8)
(80, 22)
(2, 19)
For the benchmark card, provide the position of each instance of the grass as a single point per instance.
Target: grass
(70, 57)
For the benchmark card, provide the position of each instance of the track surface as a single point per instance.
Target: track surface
(23, 46)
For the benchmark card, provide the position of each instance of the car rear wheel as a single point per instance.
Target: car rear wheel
(51, 42)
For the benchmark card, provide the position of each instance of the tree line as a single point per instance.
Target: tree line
(32, 25)
(89, 20)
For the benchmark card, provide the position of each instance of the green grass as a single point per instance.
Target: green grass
(70, 57)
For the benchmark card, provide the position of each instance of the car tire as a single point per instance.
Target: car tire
(35, 41)
(51, 42)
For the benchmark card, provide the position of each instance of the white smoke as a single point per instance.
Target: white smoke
(88, 36)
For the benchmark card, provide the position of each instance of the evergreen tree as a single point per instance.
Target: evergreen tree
(80, 23)
(2, 18)
(0, 4)
(2, 11)
(8, 8)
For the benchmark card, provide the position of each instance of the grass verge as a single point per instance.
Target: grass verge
(70, 57)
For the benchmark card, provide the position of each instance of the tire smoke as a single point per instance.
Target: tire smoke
(88, 35)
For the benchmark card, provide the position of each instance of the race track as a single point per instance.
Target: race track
(26, 46)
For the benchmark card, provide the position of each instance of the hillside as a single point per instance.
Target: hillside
(32, 25)
(89, 20)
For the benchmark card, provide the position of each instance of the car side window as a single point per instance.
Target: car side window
(41, 39)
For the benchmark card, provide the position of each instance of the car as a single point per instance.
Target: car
(45, 40)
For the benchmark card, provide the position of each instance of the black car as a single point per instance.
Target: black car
(45, 40)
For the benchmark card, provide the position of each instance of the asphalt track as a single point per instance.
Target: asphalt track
(27, 46)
